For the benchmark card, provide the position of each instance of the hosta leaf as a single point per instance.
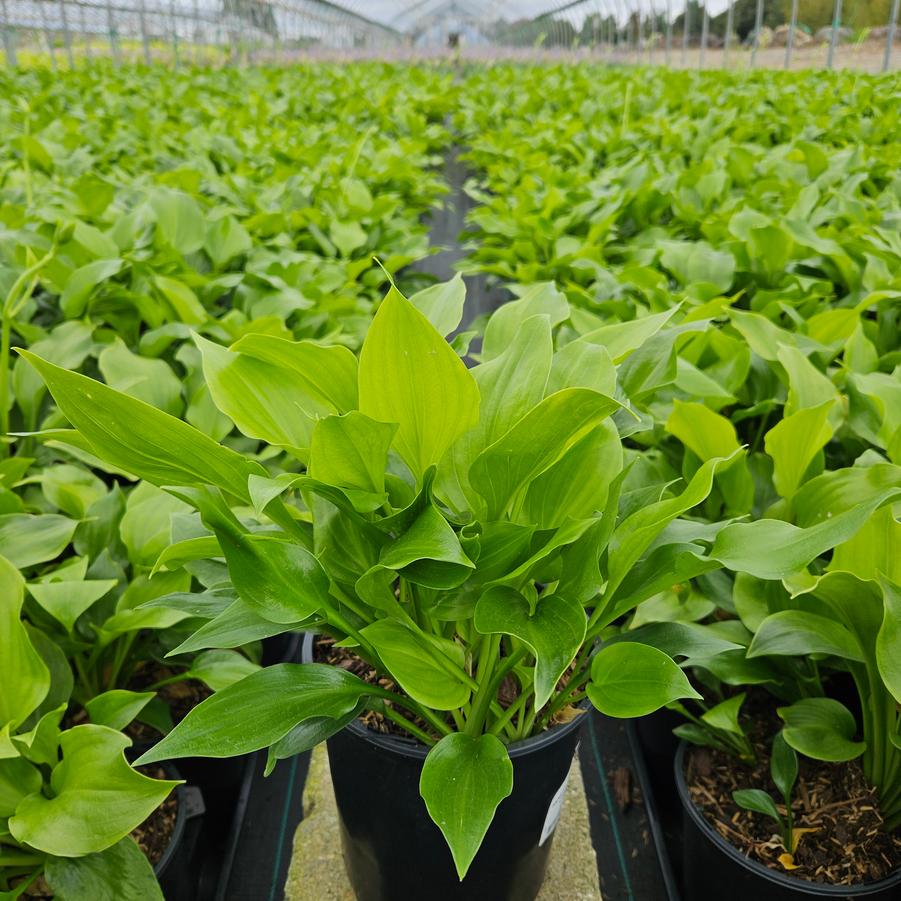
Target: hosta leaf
(23, 674)
(888, 641)
(120, 873)
(93, 775)
(415, 661)
(463, 781)
(117, 708)
(442, 304)
(259, 710)
(154, 446)
(409, 375)
(821, 728)
(797, 632)
(554, 631)
(502, 472)
(630, 679)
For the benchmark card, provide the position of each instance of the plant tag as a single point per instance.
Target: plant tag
(553, 813)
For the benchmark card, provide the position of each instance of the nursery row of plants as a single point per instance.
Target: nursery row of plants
(664, 474)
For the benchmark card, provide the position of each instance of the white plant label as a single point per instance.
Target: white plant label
(553, 812)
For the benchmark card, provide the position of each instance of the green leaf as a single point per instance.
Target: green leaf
(428, 553)
(220, 668)
(327, 375)
(278, 579)
(554, 631)
(410, 375)
(793, 443)
(540, 299)
(773, 549)
(503, 472)
(888, 641)
(151, 381)
(442, 304)
(92, 776)
(28, 539)
(758, 801)
(821, 728)
(237, 625)
(463, 781)
(679, 639)
(120, 873)
(783, 766)
(621, 338)
(724, 716)
(18, 779)
(66, 601)
(422, 664)
(141, 439)
(226, 238)
(82, 282)
(307, 735)
(117, 708)
(634, 535)
(630, 679)
(797, 632)
(179, 220)
(23, 674)
(182, 299)
(262, 399)
(351, 453)
(259, 710)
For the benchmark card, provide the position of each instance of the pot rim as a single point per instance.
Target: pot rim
(409, 747)
(861, 890)
(181, 820)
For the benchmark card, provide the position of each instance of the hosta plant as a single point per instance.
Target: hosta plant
(68, 797)
(456, 528)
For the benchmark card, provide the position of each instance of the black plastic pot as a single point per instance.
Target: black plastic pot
(394, 852)
(713, 868)
(658, 747)
(176, 870)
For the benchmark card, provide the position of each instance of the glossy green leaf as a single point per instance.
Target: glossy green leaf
(630, 679)
(442, 304)
(259, 710)
(220, 668)
(327, 375)
(351, 452)
(783, 766)
(23, 673)
(423, 665)
(554, 631)
(794, 442)
(93, 775)
(463, 781)
(773, 549)
(117, 708)
(157, 447)
(503, 471)
(409, 375)
(758, 801)
(27, 539)
(120, 873)
(888, 641)
(821, 728)
(797, 632)
(66, 601)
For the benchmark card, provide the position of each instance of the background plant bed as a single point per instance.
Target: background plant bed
(743, 877)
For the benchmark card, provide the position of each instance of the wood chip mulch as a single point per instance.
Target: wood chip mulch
(848, 847)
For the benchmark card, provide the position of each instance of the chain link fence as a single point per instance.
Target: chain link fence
(862, 34)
